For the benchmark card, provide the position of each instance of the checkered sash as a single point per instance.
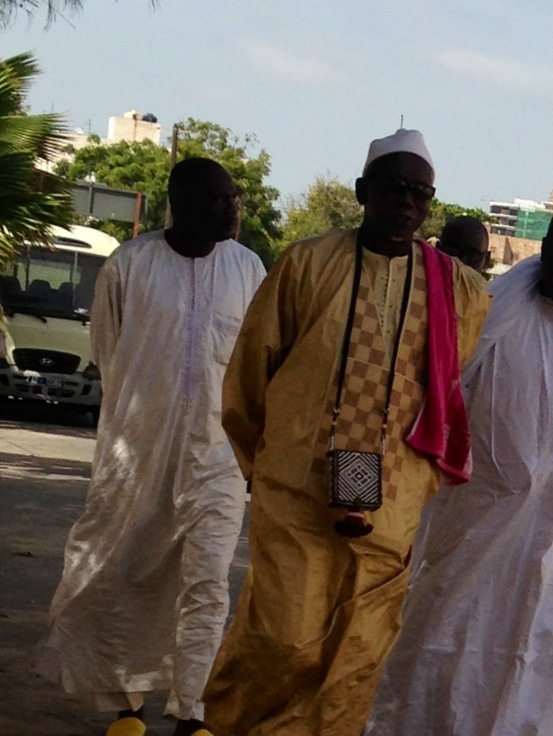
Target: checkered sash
(364, 394)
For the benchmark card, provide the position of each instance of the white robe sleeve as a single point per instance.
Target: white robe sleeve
(106, 315)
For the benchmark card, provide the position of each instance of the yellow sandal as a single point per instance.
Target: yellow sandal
(127, 727)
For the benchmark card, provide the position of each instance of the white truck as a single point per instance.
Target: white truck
(46, 295)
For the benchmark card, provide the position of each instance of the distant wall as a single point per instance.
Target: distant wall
(510, 250)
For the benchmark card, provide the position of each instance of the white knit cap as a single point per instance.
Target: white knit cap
(402, 141)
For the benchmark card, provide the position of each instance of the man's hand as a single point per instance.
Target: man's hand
(91, 372)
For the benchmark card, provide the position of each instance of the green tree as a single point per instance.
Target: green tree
(52, 8)
(330, 204)
(441, 212)
(145, 167)
(327, 204)
(31, 199)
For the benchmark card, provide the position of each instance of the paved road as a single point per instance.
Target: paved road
(44, 470)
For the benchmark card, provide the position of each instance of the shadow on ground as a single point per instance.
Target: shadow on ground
(39, 500)
(47, 418)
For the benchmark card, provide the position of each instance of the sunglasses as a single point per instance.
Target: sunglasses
(420, 192)
(471, 255)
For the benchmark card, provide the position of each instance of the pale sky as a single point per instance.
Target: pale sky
(316, 80)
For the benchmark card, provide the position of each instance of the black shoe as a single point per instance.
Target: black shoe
(190, 727)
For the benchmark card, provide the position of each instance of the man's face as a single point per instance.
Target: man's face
(477, 256)
(396, 193)
(210, 208)
(547, 263)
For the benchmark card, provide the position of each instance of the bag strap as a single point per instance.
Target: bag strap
(347, 340)
(347, 333)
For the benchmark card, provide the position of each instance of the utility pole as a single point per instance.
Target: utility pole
(172, 161)
(137, 213)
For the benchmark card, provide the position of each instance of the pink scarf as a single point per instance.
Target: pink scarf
(441, 428)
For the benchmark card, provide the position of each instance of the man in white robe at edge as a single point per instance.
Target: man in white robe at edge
(475, 657)
(144, 593)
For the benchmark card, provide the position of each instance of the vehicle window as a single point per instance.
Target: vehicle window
(50, 283)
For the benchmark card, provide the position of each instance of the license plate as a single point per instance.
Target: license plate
(52, 382)
(36, 380)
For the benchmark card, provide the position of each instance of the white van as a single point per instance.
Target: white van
(46, 295)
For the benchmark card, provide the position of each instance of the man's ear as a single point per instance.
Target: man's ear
(361, 190)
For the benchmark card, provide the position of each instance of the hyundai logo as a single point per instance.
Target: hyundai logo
(46, 362)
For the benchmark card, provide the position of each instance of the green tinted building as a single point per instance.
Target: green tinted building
(532, 224)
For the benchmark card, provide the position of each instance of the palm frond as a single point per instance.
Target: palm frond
(31, 199)
(53, 9)
(43, 134)
(9, 9)
(16, 75)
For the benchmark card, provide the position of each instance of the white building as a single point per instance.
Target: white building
(522, 218)
(130, 127)
(134, 127)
